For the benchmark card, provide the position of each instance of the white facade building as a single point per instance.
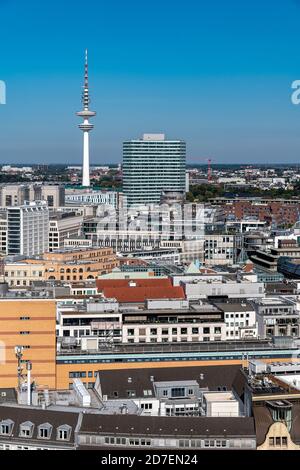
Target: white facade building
(220, 404)
(92, 197)
(61, 227)
(219, 249)
(240, 318)
(173, 322)
(204, 288)
(27, 229)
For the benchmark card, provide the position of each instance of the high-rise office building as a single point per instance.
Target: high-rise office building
(28, 229)
(150, 165)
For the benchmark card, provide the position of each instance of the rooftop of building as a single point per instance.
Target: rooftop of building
(227, 277)
(280, 287)
(243, 346)
(219, 397)
(217, 378)
(63, 215)
(139, 290)
(75, 251)
(167, 426)
(235, 306)
(33, 416)
(273, 302)
(8, 395)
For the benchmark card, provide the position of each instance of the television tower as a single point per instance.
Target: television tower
(86, 126)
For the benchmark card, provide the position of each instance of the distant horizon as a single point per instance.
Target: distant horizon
(188, 164)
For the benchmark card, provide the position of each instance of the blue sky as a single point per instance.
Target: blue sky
(217, 74)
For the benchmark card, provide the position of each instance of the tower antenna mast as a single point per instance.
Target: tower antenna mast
(86, 126)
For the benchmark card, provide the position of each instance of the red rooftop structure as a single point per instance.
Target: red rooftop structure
(139, 290)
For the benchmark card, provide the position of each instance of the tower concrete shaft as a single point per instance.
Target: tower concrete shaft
(86, 126)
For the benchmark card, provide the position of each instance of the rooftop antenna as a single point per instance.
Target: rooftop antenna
(28, 367)
(19, 355)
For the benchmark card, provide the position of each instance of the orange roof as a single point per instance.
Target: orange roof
(140, 294)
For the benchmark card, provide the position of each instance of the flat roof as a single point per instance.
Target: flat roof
(235, 307)
(219, 396)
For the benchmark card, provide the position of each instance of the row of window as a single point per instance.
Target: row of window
(88, 385)
(23, 273)
(236, 315)
(68, 278)
(174, 340)
(178, 392)
(182, 443)
(190, 443)
(93, 254)
(81, 375)
(123, 441)
(44, 431)
(278, 441)
(14, 447)
(174, 331)
(146, 406)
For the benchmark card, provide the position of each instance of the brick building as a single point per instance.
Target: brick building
(281, 212)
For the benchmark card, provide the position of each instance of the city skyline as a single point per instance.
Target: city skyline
(188, 77)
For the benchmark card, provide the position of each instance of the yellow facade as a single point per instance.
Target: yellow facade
(31, 324)
(23, 274)
(76, 273)
(87, 254)
(70, 266)
(79, 265)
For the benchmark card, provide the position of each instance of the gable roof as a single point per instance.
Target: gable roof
(20, 415)
(133, 425)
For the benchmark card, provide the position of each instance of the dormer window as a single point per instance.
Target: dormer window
(64, 432)
(6, 427)
(281, 410)
(26, 429)
(44, 431)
